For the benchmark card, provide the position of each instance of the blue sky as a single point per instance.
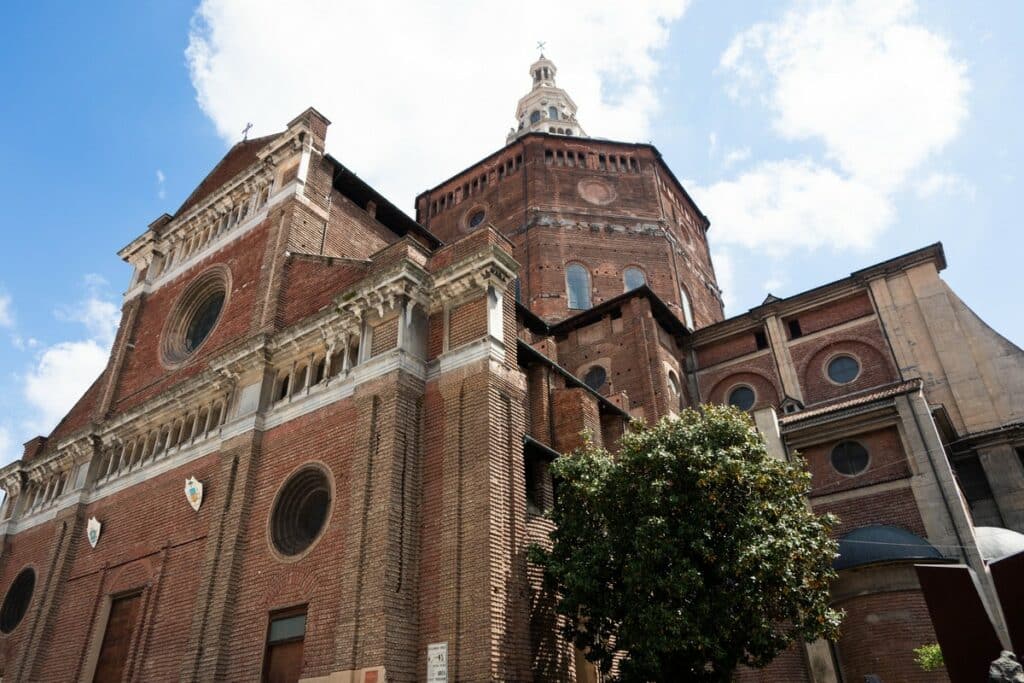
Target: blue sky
(819, 137)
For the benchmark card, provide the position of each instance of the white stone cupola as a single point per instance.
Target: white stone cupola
(546, 108)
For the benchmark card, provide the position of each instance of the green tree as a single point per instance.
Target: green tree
(691, 550)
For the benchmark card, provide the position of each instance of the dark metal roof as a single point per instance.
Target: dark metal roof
(528, 354)
(878, 543)
(359, 191)
(662, 313)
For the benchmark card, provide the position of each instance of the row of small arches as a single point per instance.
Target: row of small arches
(302, 375)
(251, 203)
(589, 160)
(476, 185)
(180, 432)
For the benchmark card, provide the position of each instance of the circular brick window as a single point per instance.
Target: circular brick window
(194, 316)
(843, 369)
(16, 601)
(742, 397)
(301, 510)
(849, 458)
(477, 218)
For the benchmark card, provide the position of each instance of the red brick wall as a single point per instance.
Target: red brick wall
(726, 349)
(863, 341)
(897, 508)
(467, 322)
(328, 436)
(887, 462)
(144, 375)
(834, 313)
(564, 226)
(758, 372)
(879, 634)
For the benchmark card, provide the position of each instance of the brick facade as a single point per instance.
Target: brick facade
(430, 370)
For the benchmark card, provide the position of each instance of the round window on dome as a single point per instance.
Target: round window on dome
(476, 218)
(849, 458)
(742, 397)
(15, 604)
(595, 377)
(843, 369)
(300, 511)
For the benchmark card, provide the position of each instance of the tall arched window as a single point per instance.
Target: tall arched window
(535, 117)
(684, 299)
(633, 277)
(552, 113)
(577, 286)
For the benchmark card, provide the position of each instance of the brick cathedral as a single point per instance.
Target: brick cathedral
(319, 448)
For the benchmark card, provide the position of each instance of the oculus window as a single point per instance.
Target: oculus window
(843, 369)
(476, 218)
(300, 511)
(194, 316)
(742, 397)
(17, 599)
(849, 458)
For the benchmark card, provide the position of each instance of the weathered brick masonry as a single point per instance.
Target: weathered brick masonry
(372, 403)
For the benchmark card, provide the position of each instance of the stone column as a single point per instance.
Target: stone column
(1005, 473)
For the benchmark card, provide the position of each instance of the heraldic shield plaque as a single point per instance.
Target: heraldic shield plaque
(194, 492)
(92, 531)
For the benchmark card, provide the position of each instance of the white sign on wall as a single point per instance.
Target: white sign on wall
(437, 663)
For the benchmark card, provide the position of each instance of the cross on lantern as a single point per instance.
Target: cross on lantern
(245, 131)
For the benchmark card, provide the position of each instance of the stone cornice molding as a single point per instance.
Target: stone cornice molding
(492, 267)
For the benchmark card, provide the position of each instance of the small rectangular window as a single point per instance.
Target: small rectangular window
(601, 162)
(761, 340)
(549, 156)
(794, 329)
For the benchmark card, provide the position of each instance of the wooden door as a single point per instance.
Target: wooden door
(284, 662)
(117, 639)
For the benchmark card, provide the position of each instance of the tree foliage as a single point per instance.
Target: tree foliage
(691, 551)
(929, 657)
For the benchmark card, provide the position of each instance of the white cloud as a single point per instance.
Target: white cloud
(161, 191)
(408, 112)
(8, 450)
(735, 156)
(945, 184)
(725, 274)
(99, 314)
(6, 315)
(712, 144)
(23, 343)
(61, 375)
(63, 371)
(781, 205)
(880, 92)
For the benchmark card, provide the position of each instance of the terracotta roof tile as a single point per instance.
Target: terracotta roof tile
(853, 401)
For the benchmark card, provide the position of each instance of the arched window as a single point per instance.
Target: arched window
(633, 277)
(552, 113)
(577, 285)
(684, 299)
(595, 377)
(534, 117)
